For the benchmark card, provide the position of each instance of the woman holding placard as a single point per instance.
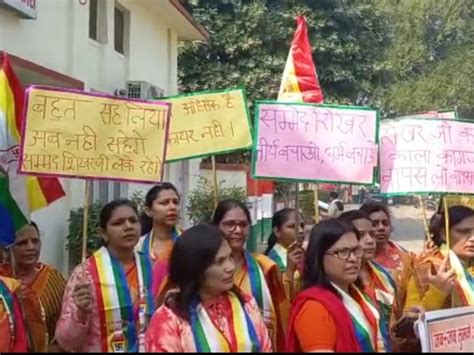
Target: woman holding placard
(332, 313)
(444, 278)
(208, 313)
(285, 248)
(160, 232)
(255, 274)
(108, 300)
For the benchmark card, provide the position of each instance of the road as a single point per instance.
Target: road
(408, 227)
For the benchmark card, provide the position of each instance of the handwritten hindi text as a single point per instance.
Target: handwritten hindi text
(418, 155)
(208, 123)
(317, 143)
(72, 133)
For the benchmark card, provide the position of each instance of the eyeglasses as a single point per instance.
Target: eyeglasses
(344, 254)
(231, 226)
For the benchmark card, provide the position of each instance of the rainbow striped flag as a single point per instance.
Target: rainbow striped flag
(300, 81)
(19, 195)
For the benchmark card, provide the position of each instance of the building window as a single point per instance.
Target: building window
(93, 12)
(121, 29)
(106, 191)
(98, 20)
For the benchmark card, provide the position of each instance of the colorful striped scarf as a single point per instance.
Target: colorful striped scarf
(259, 289)
(147, 241)
(383, 277)
(7, 300)
(122, 330)
(160, 268)
(366, 319)
(279, 255)
(208, 338)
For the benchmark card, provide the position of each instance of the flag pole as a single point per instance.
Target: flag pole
(85, 218)
(215, 184)
(297, 210)
(425, 221)
(316, 204)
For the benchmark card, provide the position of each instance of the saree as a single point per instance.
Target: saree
(399, 262)
(160, 262)
(259, 277)
(420, 292)
(41, 303)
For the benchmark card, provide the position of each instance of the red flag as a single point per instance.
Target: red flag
(300, 81)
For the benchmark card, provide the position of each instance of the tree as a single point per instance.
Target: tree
(250, 41)
(429, 63)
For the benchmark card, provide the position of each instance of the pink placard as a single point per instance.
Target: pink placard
(420, 155)
(315, 143)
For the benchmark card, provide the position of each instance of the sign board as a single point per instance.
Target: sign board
(87, 135)
(426, 155)
(208, 123)
(316, 143)
(24, 8)
(447, 331)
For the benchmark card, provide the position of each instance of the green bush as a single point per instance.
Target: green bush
(201, 199)
(74, 237)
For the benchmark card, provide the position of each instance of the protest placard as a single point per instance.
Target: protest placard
(208, 123)
(87, 135)
(426, 155)
(318, 143)
(447, 330)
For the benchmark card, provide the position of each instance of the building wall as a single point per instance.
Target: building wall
(59, 40)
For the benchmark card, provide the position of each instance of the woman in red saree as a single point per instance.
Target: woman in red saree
(208, 313)
(160, 232)
(108, 300)
(42, 290)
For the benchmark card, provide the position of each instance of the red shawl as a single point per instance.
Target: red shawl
(346, 335)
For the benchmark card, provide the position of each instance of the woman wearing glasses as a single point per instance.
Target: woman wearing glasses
(332, 314)
(255, 274)
(378, 284)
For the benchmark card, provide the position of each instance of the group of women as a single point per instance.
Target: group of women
(152, 287)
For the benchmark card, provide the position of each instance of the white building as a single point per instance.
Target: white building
(102, 45)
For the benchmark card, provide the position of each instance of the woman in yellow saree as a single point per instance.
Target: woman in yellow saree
(443, 278)
(255, 274)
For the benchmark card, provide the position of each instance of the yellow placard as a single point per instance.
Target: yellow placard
(86, 135)
(456, 200)
(208, 123)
